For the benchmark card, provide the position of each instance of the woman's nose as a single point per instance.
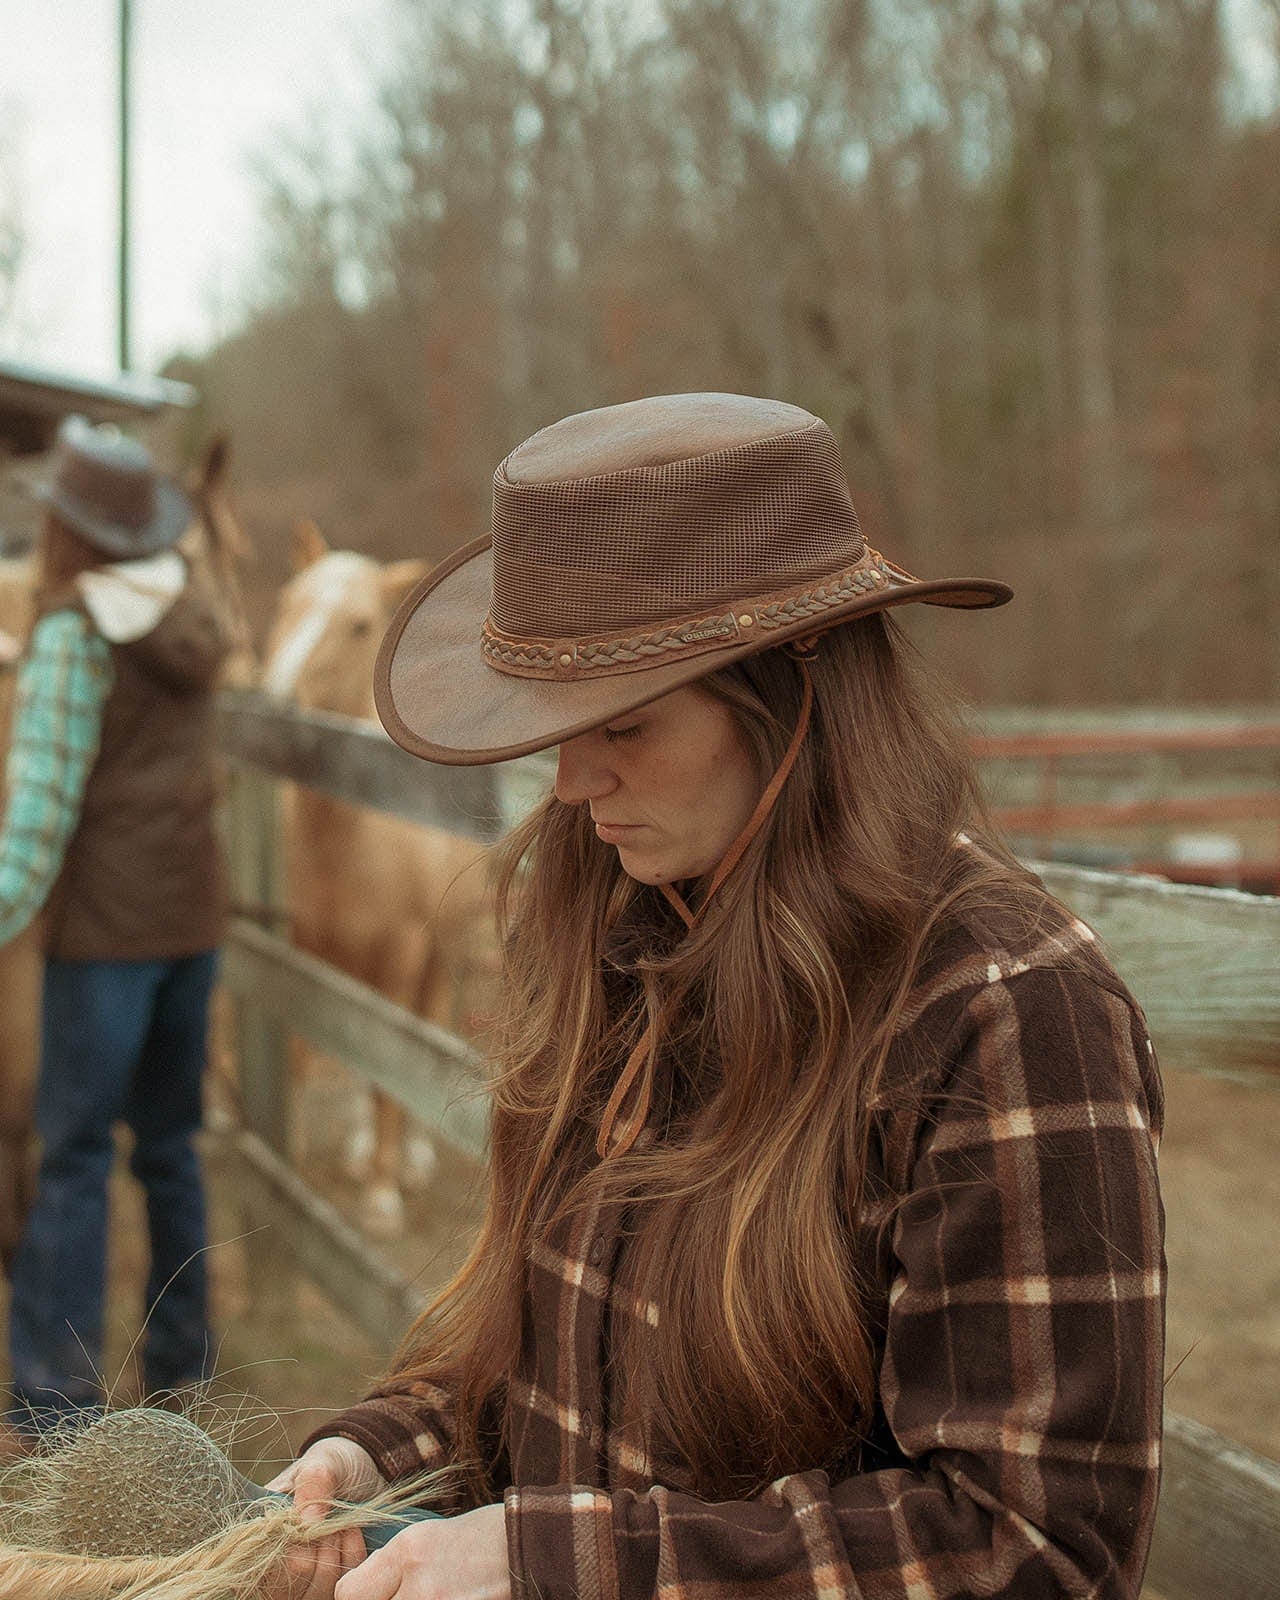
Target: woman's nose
(582, 772)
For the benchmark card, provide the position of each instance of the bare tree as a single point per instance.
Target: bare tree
(1015, 250)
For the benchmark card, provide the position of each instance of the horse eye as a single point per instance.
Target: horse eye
(361, 626)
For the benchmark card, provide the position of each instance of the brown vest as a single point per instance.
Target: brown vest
(143, 878)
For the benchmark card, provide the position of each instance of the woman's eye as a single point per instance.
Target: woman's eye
(630, 732)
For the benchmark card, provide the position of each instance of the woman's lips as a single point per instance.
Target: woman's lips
(617, 832)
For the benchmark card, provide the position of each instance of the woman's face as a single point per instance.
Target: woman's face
(671, 785)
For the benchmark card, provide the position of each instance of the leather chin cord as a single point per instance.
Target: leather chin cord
(616, 1141)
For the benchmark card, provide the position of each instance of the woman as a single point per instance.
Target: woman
(823, 1247)
(109, 840)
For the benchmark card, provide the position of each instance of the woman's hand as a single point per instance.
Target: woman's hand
(333, 1469)
(456, 1558)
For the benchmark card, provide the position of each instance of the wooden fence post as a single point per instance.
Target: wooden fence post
(257, 886)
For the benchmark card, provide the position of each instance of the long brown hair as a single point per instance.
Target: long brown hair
(774, 1019)
(62, 556)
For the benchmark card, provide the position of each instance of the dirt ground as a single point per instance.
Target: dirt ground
(1221, 1178)
(286, 1365)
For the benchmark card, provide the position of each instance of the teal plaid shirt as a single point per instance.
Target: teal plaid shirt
(62, 687)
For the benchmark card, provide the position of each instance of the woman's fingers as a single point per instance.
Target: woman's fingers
(378, 1578)
(310, 1572)
(315, 1488)
(455, 1558)
(327, 1567)
(353, 1548)
(332, 1469)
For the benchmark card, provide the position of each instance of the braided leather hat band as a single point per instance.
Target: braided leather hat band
(682, 637)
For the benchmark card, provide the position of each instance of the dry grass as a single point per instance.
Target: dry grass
(143, 1503)
(234, 1564)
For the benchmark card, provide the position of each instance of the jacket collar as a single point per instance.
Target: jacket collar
(648, 928)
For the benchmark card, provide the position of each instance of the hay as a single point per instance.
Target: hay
(232, 1565)
(141, 1504)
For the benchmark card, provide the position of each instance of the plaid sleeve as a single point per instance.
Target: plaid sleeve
(1022, 1370)
(407, 1429)
(62, 687)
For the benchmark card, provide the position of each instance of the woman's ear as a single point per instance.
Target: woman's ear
(307, 545)
(397, 579)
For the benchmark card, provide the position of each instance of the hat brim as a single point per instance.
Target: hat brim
(174, 514)
(439, 699)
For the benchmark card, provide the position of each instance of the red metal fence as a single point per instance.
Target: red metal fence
(1242, 804)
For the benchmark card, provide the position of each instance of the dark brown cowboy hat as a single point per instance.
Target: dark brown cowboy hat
(635, 549)
(106, 488)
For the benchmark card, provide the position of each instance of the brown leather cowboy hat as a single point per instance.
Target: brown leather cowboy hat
(635, 549)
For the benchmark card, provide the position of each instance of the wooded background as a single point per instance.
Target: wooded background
(1023, 255)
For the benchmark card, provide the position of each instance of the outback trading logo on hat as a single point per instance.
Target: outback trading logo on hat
(724, 628)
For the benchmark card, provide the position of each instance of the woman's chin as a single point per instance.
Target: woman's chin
(642, 871)
(647, 868)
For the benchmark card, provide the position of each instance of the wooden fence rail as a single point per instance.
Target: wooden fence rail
(1218, 1534)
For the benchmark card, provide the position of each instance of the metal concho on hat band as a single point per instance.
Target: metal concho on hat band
(683, 637)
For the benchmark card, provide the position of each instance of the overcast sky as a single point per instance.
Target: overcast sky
(213, 81)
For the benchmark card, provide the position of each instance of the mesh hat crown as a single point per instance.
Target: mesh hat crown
(627, 547)
(634, 549)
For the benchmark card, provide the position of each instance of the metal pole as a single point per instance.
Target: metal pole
(123, 309)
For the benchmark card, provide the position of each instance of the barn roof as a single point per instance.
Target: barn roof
(34, 400)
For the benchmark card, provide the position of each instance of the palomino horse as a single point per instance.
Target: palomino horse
(216, 536)
(399, 906)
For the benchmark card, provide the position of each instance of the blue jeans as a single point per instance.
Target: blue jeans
(122, 1040)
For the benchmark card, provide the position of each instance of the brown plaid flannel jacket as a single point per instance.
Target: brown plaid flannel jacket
(1020, 1289)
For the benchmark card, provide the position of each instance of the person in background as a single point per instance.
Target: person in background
(823, 1254)
(21, 963)
(109, 839)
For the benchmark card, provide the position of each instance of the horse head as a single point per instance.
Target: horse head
(219, 535)
(329, 622)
